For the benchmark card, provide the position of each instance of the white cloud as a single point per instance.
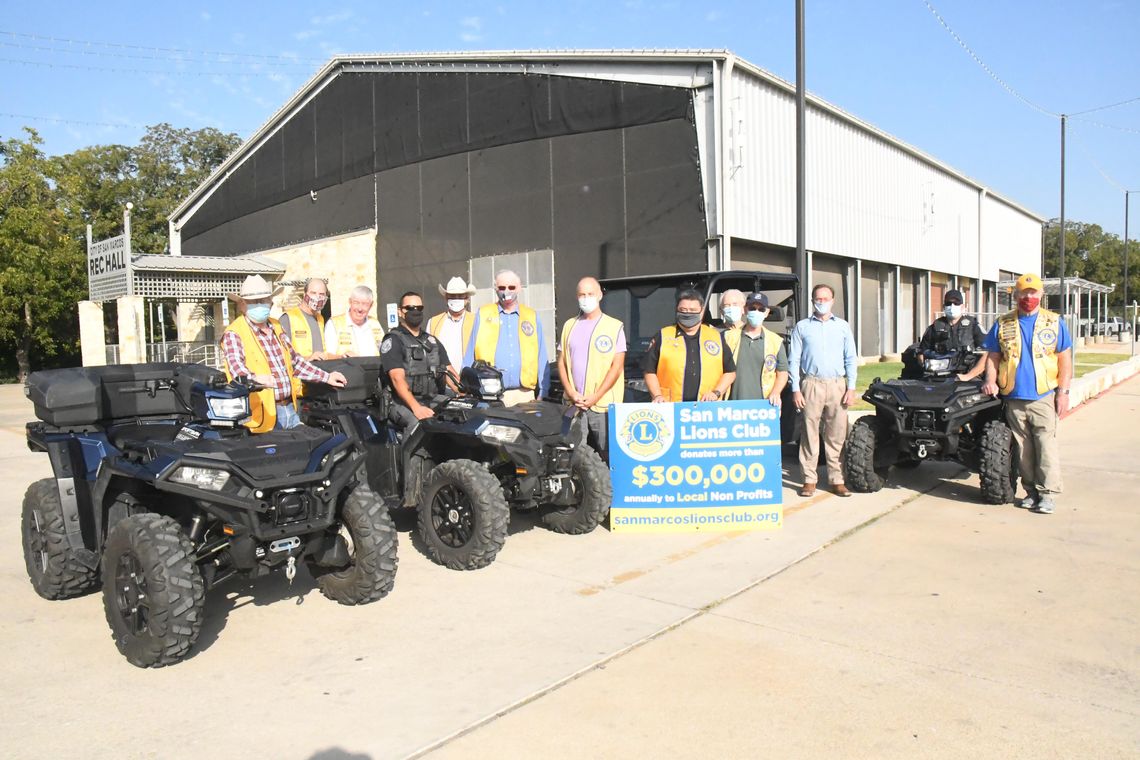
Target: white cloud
(305, 34)
(472, 29)
(205, 16)
(332, 18)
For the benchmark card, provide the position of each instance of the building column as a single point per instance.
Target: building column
(132, 330)
(92, 336)
(857, 322)
(190, 321)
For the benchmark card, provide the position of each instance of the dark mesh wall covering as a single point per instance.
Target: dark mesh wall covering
(362, 123)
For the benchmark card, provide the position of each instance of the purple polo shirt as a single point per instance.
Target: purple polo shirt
(579, 347)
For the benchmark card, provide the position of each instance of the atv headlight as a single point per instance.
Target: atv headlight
(206, 478)
(971, 399)
(499, 433)
(222, 408)
(491, 387)
(937, 365)
(883, 395)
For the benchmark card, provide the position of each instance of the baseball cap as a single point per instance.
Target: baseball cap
(756, 298)
(953, 296)
(1029, 281)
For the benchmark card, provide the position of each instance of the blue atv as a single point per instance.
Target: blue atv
(159, 493)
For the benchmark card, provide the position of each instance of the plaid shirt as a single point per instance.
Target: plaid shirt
(275, 351)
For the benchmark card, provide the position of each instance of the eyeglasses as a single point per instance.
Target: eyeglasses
(756, 307)
(507, 287)
(418, 307)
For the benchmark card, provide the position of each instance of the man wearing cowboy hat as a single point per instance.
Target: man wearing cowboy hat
(453, 327)
(255, 346)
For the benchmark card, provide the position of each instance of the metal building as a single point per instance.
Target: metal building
(402, 171)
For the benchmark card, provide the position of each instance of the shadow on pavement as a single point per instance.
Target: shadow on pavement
(237, 593)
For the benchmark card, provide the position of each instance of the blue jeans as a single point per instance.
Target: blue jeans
(286, 417)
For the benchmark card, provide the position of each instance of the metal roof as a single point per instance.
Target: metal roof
(1053, 285)
(149, 262)
(483, 60)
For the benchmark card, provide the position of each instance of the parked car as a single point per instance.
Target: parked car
(1111, 326)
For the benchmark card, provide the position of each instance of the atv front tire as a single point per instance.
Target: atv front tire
(463, 515)
(371, 538)
(591, 480)
(53, 567)
(153, 593)
(997, 465)
(863, 466)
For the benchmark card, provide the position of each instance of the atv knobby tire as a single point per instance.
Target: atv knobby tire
(463, 515)
(53, 567)
(862, 458)
(591, 479)
(372, 546)
(997, 466)
(153, 593)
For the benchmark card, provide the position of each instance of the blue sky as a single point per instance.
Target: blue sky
(114, 67)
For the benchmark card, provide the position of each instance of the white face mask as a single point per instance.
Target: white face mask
(953, 310)
(588, 304)
(455, 305)
(822, 307)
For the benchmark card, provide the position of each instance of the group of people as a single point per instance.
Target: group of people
(687, 361)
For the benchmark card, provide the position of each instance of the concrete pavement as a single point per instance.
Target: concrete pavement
(922, 633)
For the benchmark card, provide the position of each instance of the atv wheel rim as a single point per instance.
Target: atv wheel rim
(131, 594)
(37, 544)
(452, 518)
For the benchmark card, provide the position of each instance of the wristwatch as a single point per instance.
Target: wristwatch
(716, 392)
(1063, 390)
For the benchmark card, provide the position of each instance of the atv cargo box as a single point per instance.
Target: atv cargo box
(363, 373)
(87, 395)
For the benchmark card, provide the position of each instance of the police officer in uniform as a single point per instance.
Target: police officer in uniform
(953, 331)
(414, 362)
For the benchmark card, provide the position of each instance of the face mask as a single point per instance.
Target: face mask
(822, 307)
(257, 313)
(756, 318)
(456, 305)
(316, 303)
(688, 320)
(1028, 303)
(953, 310)
(588, 304)
(414, 318)
(507, 296)
(732, 314)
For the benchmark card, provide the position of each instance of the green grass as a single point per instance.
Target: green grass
(1090, 362)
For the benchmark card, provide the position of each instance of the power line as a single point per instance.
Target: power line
(1130, 130)
(985, 68)
(163, 72)
(125, 46)
(1110, 105)
(136, 56)
(77, 122)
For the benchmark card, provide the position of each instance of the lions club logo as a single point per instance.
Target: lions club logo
(713, 347)
(769, 362)
(528, 329)
(643, 433)
(604, 344)
(1047, 337)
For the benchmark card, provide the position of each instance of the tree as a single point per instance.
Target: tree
(42, 268)
(1094, 255)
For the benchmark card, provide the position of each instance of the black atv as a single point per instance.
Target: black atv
(464, 468)
(160, 493)
(931, 415)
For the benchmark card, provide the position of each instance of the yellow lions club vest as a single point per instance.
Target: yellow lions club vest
(435, 326)
(344, 337)
(1046, 333)
(302, 338)
(262, 406)
(671, 364)
(772, 343)
(487, 342)
(603, 340)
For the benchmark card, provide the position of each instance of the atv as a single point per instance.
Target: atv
(159, 494)
(465, 468)
(931, 415)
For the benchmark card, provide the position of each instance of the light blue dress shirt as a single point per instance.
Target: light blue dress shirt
(508, 355)
(822, 348)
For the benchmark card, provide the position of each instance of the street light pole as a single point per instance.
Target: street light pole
(1131, 334)
(801, 168)
(1061, 266)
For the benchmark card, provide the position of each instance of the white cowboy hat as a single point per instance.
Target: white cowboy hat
(455, 286)
(254, 287)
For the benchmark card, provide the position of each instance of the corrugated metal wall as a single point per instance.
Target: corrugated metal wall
(867, 197)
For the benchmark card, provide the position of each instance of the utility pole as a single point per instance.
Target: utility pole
(801, 165)
(1061, 267)
(1131, 333)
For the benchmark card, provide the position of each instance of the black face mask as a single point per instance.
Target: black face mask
(414, 318)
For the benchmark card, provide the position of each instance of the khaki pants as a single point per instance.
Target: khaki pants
(823, 402)
(1034, 426)
(516, 396)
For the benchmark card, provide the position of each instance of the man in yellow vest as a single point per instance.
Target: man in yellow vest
(761, 360)
(255, 346)
(591, 362)
(1029, 362)
(454, 326)
(688, 361)
(508, 335)
(356, 332)
(304, 323)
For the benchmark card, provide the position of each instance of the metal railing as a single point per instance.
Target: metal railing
(188, 352)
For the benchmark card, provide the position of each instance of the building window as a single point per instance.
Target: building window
(535, 269)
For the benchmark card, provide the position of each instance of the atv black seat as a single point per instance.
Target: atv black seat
(79, 396)
(128, 436)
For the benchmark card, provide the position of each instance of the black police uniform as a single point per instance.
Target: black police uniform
(967, 335)
(423, 359)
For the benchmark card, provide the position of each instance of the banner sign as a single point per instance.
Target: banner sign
(682, 467)
(109, 268)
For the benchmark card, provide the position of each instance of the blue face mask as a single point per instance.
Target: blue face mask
(756, 318)
(257, 313)
(732, 314)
